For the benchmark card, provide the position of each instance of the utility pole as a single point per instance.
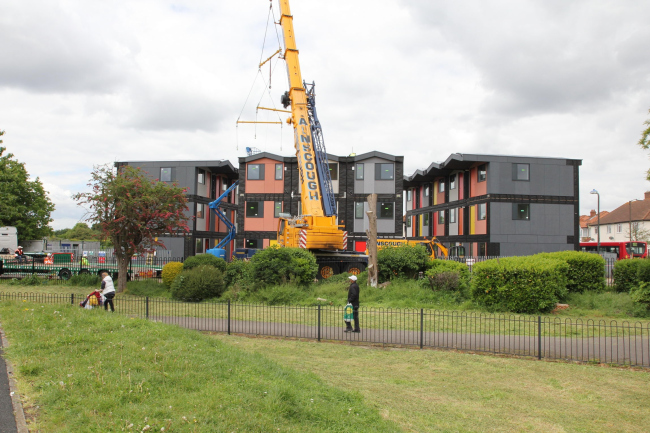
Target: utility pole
(372, 240)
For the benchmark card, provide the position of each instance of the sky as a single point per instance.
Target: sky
(86, 83)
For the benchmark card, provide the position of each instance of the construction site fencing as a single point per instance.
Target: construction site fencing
(614, 342)
(58, 270)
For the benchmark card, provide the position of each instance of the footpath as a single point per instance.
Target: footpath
(12, 418)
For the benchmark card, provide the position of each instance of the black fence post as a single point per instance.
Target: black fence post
(539, 337)
(421, 328)
(147, 306)
(318, 322)
(71, 298)
(33, 267)
(228, 316)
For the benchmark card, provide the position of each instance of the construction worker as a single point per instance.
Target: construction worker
(20, 255)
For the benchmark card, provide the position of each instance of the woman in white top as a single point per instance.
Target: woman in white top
(108, 290)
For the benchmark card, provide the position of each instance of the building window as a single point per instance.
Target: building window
(252, 243)
(199, 210)
(482, 211)
(482, 173)
(521, 211)
(277, 209)
(425, 219)
(255, 172)
(201, 177)
(334, 170)
(384, 172)
(585, 232)
(254, 209)
(358, 210)
(441, 217)
(385, 210)
(520, 171)
(166, 174)
(619, 228)
(452, 216)
(426, 191)
(452, 181)
(441, 186)
(482, 249)
(609, 229)
(278, 171)
(359, 170)
(408, 195)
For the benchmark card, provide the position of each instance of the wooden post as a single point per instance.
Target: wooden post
(372, 240)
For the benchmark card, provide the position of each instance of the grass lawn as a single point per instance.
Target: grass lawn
(436, 391)
(91, 371)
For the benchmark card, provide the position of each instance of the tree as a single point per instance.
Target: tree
(80, 232)
(132, 210)
(644, 141)
(25, 204)
(639, 233)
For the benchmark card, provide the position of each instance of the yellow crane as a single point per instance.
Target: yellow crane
(316, 228)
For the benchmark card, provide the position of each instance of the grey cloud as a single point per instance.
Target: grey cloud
(538, 56)
(48, 50)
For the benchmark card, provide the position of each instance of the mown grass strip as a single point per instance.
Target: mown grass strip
(90, 371)
(439, 391)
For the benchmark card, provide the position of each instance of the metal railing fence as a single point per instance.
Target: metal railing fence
(542, 337)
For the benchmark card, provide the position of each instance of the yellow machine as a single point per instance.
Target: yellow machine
(316, 228)
(433, 246)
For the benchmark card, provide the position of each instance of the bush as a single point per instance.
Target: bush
(276, 266)
(528, 285)
(170, 271)
(85, 280)
(197, 284)
(641, 294)
(625, 274)
(238, 271)
(405, 261)
(205, 260)
(643, 271)
(436, 268)
(586, 271)
(32, 280)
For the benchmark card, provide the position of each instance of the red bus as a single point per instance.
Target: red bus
(623, 250)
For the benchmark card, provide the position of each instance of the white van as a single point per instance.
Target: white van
(8, 240)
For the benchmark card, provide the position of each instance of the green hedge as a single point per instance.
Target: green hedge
(205, 260)
(439, 275)
(528, 285)
(275, 265)
(586, 271)
(625, 274)
(197, 284)
(405, 261)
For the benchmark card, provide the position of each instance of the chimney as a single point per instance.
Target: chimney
(647, 195)
(593, 212)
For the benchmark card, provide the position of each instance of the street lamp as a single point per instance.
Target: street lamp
(630, 203)
(593, 191)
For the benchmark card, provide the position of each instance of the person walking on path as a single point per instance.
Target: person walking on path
(108, 290)
(353, 298)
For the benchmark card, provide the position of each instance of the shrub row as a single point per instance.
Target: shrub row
(528, 284)
(585, 271)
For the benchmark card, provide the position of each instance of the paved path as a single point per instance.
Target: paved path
(7, 419)
(628, 350)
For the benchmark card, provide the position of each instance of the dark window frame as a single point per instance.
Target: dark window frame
(379, 171)
(200, 210)
(260, 209)
(408, 222)
(162, 178)
(452, 216)
(480, 214)
(359, 205)
(441, 185)
(517, 214)
(277, 211)
(256, 246)
(441, 217)
(334, 174)
(518, 168)
(260, 173)
(279, 166)
(409, 195)
(481, 173)
(426, 220)
(359, 171)
(381, 208)
(452, 181)
(200, 176)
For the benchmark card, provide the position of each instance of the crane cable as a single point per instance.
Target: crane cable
(259, 73)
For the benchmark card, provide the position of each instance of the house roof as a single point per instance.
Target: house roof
(219, 166)
(636, 210)
(586, 220)
(460, 161)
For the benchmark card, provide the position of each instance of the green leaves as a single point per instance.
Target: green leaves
(404, 261)
(275, 265)
(24, 203)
